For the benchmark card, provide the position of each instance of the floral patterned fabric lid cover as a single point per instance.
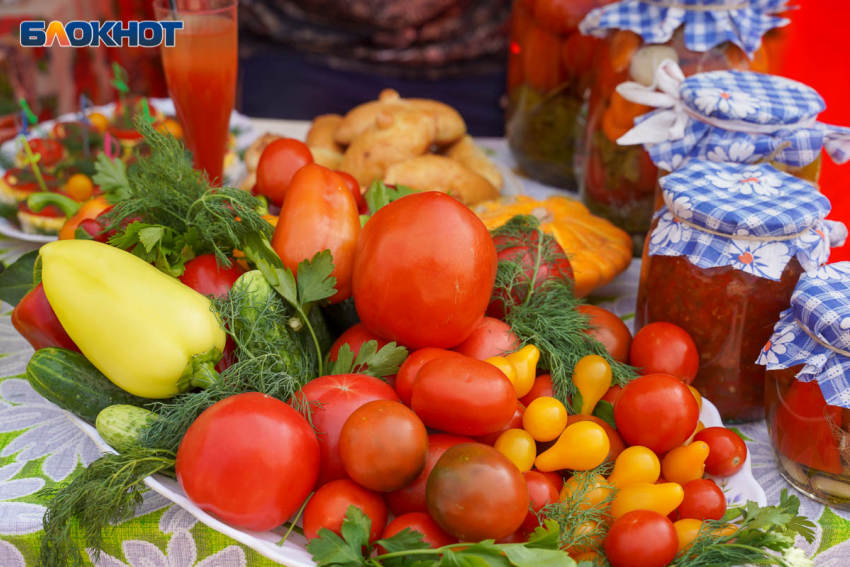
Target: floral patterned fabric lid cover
(751, 217)
(707, 23)
(815, 332)
(736, 116)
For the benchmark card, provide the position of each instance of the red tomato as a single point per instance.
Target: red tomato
(665, 348)
(410, 369)
(641, 538)
(541, 60)
(612, 394)
(556, 479)
(609, 330)
(542, 387)
(421, 522)
(541, 492)
(354, 337)
(520, 251)
(656, 411)
(424, 271)
(703, 500)
(354, 187)
(514, 423)
(50, 150)
(327, 508)
(204, 275)
(562, 16)
(318, 214)
(277, 166)
(462, 395)
(476, 493)
(383, 445)
(617, 445)
(491, 338)
(249, 459)
(726, 451)
(334, 398)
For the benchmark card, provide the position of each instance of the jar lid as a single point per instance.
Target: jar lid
(821, 305)
(707, 23)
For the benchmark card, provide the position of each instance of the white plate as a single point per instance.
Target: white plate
(739, 488)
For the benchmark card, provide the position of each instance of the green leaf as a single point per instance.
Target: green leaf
(370, 360)
(167, 250)
(378, 195)
(738, 432)
(111, 176)
(151, 236)
(546, 536)
(522, 556)
(17, 280)
(331, 550)
(604, 410)
(315, 282)
(405, 540)
(484, 554)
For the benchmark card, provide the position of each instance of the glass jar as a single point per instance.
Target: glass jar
(549, 68)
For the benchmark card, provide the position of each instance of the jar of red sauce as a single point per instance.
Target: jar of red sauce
(698, 35)
(722, 260)
(807, 386)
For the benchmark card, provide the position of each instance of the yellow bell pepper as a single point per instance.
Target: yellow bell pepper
(525, 362)
(147, 332)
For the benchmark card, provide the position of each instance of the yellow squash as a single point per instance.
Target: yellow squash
(147, 332)
(597, 249)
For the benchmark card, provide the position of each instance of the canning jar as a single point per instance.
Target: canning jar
(549, 67)
(722, 261)
(699, 35)
(807, 386)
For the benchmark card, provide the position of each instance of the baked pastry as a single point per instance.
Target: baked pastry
(322, 131)
(467, 152)
(433, 172)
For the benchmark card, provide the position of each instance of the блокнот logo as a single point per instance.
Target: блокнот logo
(80, 33)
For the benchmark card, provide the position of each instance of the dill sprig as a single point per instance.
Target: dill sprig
(545, 315)
(165, 190)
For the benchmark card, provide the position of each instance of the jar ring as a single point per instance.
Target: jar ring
(821, 342)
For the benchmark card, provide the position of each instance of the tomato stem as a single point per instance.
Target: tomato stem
(292, 525)
(438, 551)
(537, 260)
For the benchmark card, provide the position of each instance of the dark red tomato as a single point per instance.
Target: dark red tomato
(354, 337)
(204, 275)
(491, 338)
(542, 387)
(477, 493)
(617, 445)
(424, 271)
(462, 395)
(383, 445)
(328, 506)
(726, 451)
(514, 423)
(249, 459)
(278, 164)
(656, 411)
(612, 394)
(421, 522)
(641, 538)
(411, 498)
(354, 187)
(50, 150)
(665, 348)
(333, 399)
(525, 252)
(541, 492)
(703, 500)
(556, 479)
(410, 368)
(609, 330)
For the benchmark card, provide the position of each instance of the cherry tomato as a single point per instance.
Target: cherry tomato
(727, 451)
(355, 337)
(277, 166)
(250, 459)
(664, 348)
(616, 443)
(411, 498)
(464, 396)
(383, 445)
(333, 399)
(319, 214)
(545, 418)
(99, 121)
(612, 394)
(354, 187)
(204, 275)
(541, 493)
(421, 522)
(518, 446)
(541, 60)
(410, 369)
(328, 506)
(79, 187)
(556, 479)
(476, 493)
(514, 423)
(703, 500)
(49, 149)
(562, 16)
(609, 330)
(656, 411)
(542, 387)
(406, 255)
(491, 338)
(641, 538)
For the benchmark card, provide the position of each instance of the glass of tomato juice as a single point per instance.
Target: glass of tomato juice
(201, 73)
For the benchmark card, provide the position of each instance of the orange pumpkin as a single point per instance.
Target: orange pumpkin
(597, 249)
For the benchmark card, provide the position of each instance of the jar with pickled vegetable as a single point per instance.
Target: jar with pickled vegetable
(722, 261)
(733, 116)
(549, 67)
(699, 35)
(807, 386)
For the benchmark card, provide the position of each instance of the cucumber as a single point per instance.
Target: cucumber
(70, 381)
(121, 425)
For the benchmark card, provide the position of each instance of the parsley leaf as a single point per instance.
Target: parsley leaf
(161, 245)
(370, 360)
(17, 280)
(315, 282)
(604, 410)
(111, 176)
(379, 195)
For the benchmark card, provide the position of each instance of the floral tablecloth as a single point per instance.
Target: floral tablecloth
(40, 447)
